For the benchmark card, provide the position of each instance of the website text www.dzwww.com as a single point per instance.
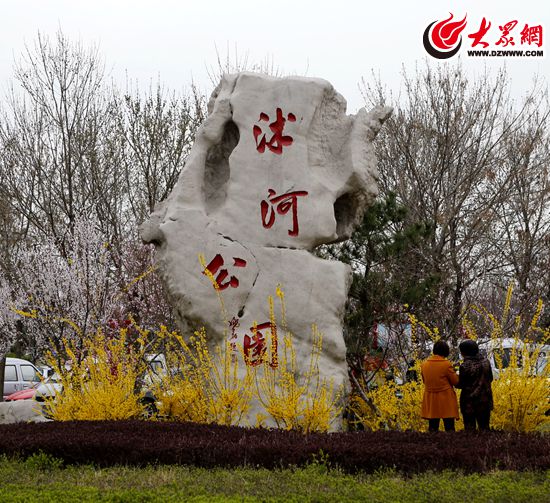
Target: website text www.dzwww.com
(497, 53)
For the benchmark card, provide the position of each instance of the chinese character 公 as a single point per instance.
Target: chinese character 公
(215, 265)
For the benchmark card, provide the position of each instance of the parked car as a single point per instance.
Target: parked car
(156, 368)
(45, 370)
(505, 348)
(19, 375)
(24, 394)
(48, 388)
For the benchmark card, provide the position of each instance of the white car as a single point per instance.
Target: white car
(505, 347)
(156, 369)
(48, 388)
(19, 375)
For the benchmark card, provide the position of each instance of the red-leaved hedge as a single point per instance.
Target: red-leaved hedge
(105, 443)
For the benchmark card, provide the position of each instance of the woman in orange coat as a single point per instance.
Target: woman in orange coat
(439, 400)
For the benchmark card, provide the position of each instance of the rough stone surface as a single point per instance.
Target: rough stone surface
(21, 411)
(264, 138)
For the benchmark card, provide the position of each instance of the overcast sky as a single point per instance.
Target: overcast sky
(339, 40)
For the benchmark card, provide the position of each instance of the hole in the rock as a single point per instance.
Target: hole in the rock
(344, 212)
(217, 171)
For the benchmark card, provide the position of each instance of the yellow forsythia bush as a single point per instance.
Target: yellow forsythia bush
(201, 387)
(304, 402)
(103, 379)
(294, 400)
(522, 392)
(219, 387)
(101, 384)
(392, 407)
(521, 388)
(521, 402)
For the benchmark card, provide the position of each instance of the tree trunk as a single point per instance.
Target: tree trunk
(2, 368)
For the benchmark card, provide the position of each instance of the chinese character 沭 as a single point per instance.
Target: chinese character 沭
(284, 203)
(214, 266)
(278, 140)
(506, 29)
(478, 35)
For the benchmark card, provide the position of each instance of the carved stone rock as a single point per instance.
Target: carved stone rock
(277, 169)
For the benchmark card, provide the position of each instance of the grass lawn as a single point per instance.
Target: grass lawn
(43, 479)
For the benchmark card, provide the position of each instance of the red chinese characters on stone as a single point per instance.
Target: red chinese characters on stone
(255, 347)
(221, 279)
(532, 35)
(506, 29)
(282, 204)
(277, 140)
(233, 325)
(478, 35)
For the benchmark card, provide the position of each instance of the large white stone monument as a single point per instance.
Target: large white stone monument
(277, 169)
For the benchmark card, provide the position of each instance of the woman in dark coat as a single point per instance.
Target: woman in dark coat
(474, 378)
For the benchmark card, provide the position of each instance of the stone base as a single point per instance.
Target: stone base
(22, 411)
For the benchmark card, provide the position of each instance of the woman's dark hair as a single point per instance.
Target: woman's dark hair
(441, 348)
(468, 347)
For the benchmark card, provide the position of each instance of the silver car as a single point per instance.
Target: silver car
(19, 374)
(48, 388)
